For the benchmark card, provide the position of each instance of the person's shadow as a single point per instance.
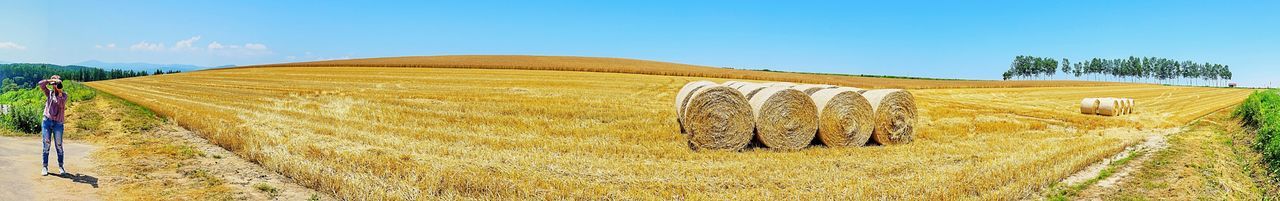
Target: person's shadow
(80, 178)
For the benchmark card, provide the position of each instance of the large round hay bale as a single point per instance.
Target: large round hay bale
(718, 118)
(785, 118)
(1089, 106)
(750, 89)
(810, 88)
(1108, 107)
(859, 90)
(682, 98)
(894, 111)
(844, 117)
(731, 83)
(780, 84)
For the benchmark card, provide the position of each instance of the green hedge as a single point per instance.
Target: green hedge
(26, 106)
(1262, 111)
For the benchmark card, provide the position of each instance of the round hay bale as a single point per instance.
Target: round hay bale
(1089, 106)
(1133, 106)
(780, 84)
(810, 88)
(844, 117)
(894, 111)
(859, 90)
(718, 118)
(682, 98)
(1127, 107)
(1108, 107)
(730, 83)
(750, 89)
(785, 118)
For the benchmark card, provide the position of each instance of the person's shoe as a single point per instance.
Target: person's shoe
(62, 170)
(44, 172)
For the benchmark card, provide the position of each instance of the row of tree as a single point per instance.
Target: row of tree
(24, 75)
(1151, 69)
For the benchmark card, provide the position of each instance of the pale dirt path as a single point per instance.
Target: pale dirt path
(241, 174)
(20, 171)
(1152, 144)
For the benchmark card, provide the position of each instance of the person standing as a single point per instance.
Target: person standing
(51, 129)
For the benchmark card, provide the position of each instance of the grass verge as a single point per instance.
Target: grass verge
(1211, 160)
(141, 163)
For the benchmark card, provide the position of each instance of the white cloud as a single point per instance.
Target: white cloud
(107, 46)
(255, 46)
(248, 49)
(186, 44)
(11, 46)
(189, 46)
(147, 46)
(215, 45)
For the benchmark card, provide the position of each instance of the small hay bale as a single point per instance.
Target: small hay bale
(1089, 106)
(895, 115)
(810, 88)
(844, 117)
(1125, 103)
(785, 118)
(718, 118)
(682, 99)
(1108, 107)
(1133, 105)
(1127, 107)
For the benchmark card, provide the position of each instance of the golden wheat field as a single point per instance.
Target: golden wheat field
(426, 133)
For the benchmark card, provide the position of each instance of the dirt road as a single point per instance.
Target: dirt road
(20, 171)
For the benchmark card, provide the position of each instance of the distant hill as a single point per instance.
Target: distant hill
(144, 66)
(635, 66)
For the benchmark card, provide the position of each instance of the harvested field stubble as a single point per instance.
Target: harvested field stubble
(427, 133)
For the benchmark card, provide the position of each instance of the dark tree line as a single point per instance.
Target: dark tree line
(1133, 69)
(23, 75)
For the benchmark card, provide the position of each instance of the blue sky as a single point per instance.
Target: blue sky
(953, 39)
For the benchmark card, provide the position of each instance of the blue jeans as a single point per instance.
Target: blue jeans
(51, 131)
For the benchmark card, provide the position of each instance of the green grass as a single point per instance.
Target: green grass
(27, 106)
(1261, 111)
(272, 191)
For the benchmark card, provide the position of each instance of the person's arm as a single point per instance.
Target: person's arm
(44, 86)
